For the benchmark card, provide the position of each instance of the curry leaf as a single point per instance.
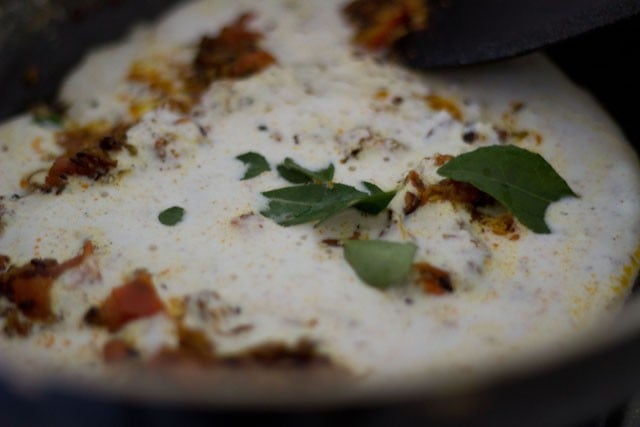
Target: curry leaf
(316, 202)
(372, 188)
(296, 174)
(377, 200)
(309, 203)
(48, 118)
(171, 216)
(521, 180)
(256, 164)
(380, 263)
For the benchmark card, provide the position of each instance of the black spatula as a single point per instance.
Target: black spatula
(463, 32)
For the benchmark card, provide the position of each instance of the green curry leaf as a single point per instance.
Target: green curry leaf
(48, 118)
(380, 263)
(316, 202)
(309, 203)
(521, 180)
(256, 164)
(171, 216)
(377, 201)
(296, 174)
(372, 188)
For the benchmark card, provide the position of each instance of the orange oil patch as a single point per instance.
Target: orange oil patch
(137, 109)
(146, 73)
(537, 137)
(620, 286)
(381, 95)
(36, 144)
(176, 307)
(441, 159)
(440, 103)
(622, 283)
(165, 272)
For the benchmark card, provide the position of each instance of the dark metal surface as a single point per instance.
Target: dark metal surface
(589, 392)
(51, 36)
(584, 393)
(467, 32)
(605, 63)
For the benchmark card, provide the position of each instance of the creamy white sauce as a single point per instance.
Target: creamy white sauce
(318, 103)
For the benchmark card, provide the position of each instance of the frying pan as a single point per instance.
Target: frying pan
(49, 37)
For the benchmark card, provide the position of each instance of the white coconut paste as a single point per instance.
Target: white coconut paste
(316, 105)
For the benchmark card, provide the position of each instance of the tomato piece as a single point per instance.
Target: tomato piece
(133, 300)
(29, 286)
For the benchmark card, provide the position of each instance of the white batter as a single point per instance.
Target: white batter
(316, 105)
